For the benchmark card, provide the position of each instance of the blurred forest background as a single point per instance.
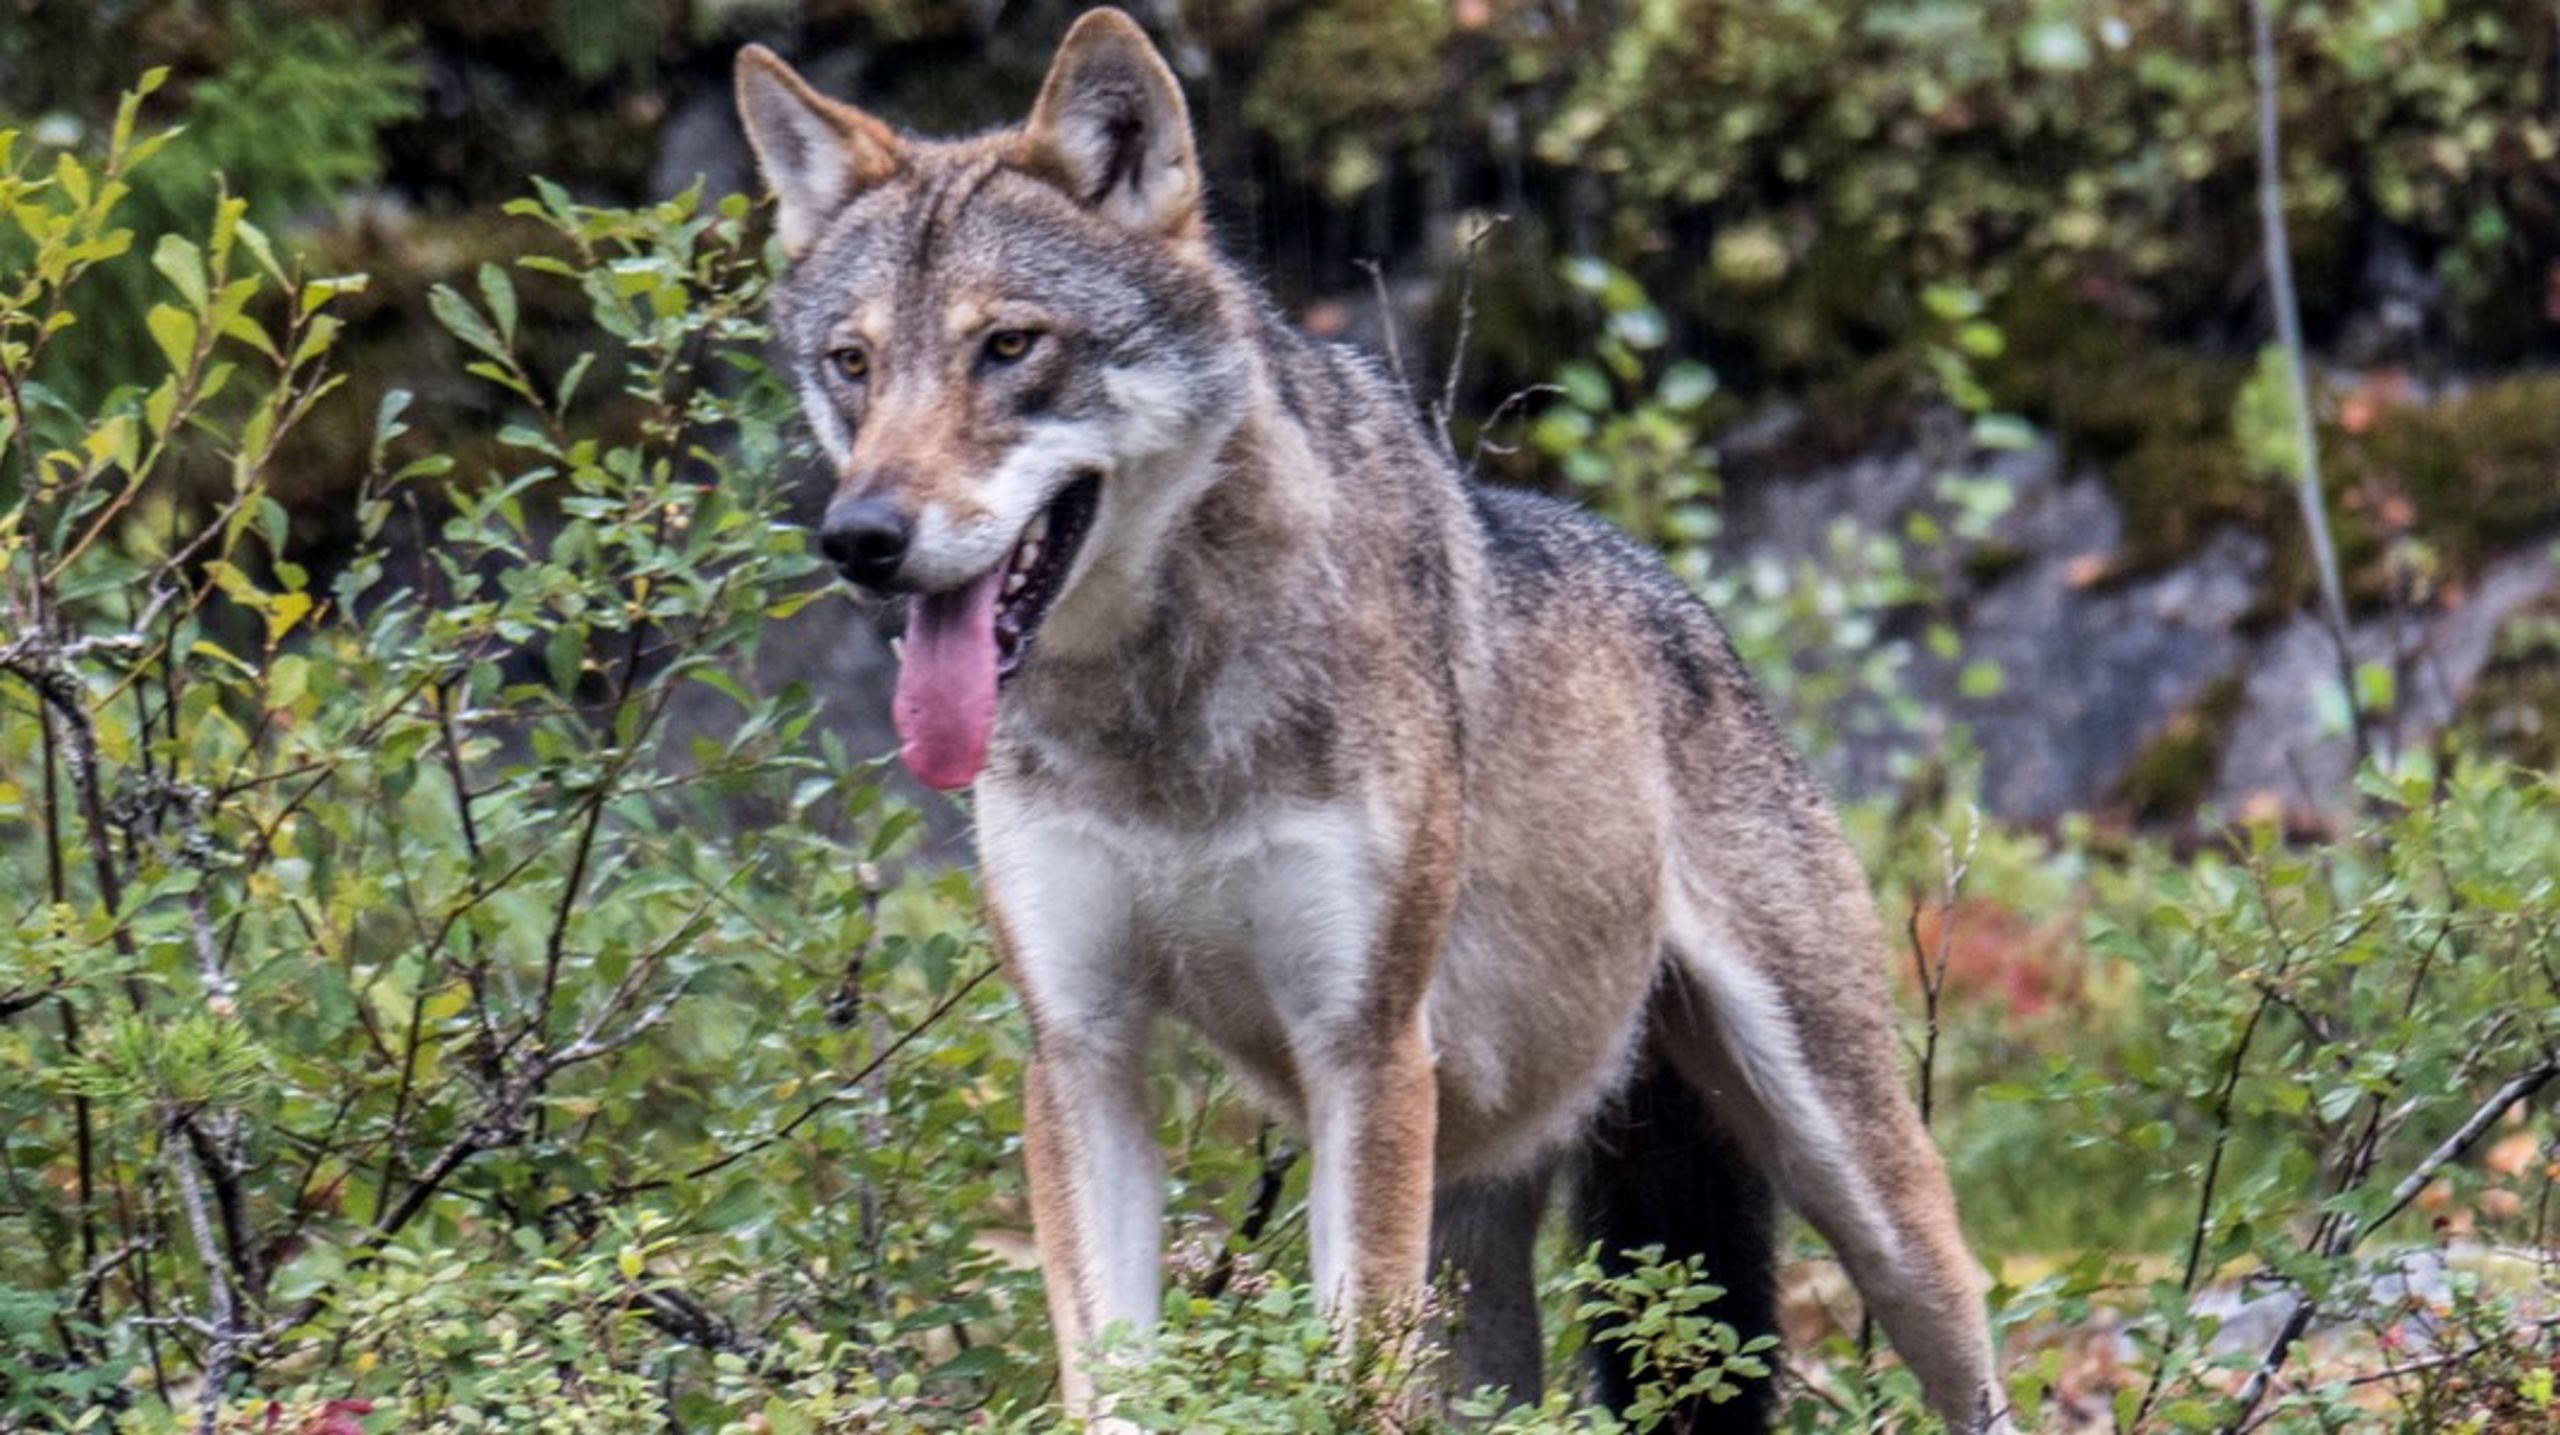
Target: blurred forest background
(463, 965)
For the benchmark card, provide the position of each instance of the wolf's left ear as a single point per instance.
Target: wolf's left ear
(816, 154)
(1110, 128)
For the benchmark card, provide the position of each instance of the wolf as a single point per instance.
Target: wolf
(1442, 811)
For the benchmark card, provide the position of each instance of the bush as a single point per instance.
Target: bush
(388, 981)
(2110, 154)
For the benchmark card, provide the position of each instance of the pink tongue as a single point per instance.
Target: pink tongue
(946, 703)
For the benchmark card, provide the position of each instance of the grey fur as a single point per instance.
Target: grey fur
(1428, 804)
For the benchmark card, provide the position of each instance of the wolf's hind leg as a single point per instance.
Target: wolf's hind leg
(1485, 1235)
(1792, 1047)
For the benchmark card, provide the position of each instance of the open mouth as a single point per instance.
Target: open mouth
(961, 644)
(1035, 572)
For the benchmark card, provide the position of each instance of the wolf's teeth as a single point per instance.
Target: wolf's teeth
(898, 648)
(1029, 558)
(1015, 582)
(1039, 528)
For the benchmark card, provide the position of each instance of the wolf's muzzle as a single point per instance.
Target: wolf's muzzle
(867, 539)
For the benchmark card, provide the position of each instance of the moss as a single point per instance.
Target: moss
(2476, 469)
(2514, 710)
(1836, 314)
(2156, 421)
(2470, 475)
(1987, 565)
(2173, 773)
(1345, 72)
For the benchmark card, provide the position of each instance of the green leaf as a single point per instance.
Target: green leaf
(500, 293)
(1585, 387)
(182, 264)
(2262, 418)
(2058, 45)
(2376, 690)
(316, 292)
(2003, 432)
(1685, 385)
(254, 240)
(174, 330)
(386, 419)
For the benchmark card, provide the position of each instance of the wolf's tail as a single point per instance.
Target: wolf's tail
(1654, 1170)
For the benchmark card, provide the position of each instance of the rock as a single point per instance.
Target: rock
(2290, 745)
(702, 140)
(2091, 669)
(2095, 668)
(2091, 675)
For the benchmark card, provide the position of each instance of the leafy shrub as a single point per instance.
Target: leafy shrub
(2110, 151)
(290, 123)
(1661, 1316)
(2327, 1035)
(376, 943)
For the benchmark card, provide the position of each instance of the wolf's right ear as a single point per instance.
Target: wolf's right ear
(816, 154)
(1110, 128)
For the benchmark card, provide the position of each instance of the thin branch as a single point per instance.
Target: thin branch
(1276, 1164)
(2454, 1357)
(1447, 408)
(2520, 1087)
(2204, 1197)
(852, 1086)
(1501, 411)
(1387, 324)
(1932, 974)
(2288, 316)
(223, 1332)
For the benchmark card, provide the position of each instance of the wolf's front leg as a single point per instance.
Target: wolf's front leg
(1372, 1118)
(1057, 906)
(1097, 1200)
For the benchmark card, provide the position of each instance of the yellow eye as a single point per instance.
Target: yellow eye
(852, 362)
(1006, 345)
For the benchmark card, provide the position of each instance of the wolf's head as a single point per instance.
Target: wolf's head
(1013, 347)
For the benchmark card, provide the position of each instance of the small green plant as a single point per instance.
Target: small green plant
(1263, 1356)
(1661, 1315)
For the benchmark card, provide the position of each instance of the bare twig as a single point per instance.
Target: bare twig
(1932, 973)
(1447, 407)
(2203, 1225)
(2454, 1357)
(223, 1333)
(1387, 325)
(1501, 411)
(1277, 1160)
(2288, 316)
(852, 1086)
(2520, 1087)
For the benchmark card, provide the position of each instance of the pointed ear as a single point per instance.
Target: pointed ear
(1111, 130)
(816, 154)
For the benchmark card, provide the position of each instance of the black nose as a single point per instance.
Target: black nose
(867, 538)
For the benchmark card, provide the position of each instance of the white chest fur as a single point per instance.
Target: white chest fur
(1260, 932)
